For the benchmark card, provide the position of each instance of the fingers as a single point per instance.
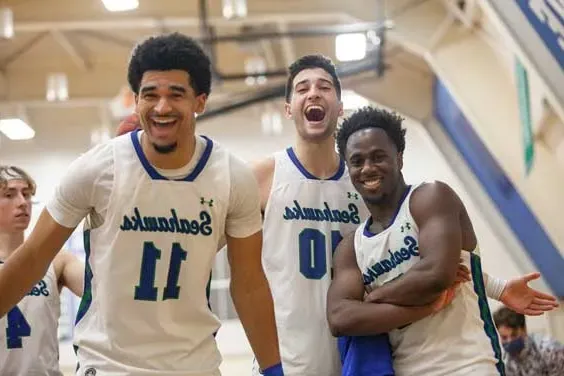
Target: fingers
(542, 295)
(541, 307)
(537, 300)
(531, 277)
(532, 312)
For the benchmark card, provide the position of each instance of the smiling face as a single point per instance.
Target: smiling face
(167, 105)
(15, 205)
(314, 105)
(374, 164)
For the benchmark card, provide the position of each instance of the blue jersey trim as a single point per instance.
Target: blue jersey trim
(307, 174)
(155, 175)
(369, 233)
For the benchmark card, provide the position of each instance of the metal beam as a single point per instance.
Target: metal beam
(140, 23)
(22, 50)
(73, 50)
(245, 99)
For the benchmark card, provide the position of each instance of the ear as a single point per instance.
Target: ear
(400, 160)
(341, 109)
(136, 99)
(288, 110)
(201, 103)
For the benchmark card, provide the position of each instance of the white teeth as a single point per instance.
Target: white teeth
(372, 183)
(315, 108)
(165, 121)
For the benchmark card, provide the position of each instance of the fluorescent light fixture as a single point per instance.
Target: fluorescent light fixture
(6, 23)
(57, 87)
(353, 101)
(350, 47)
(234, 8)
(16, 129)
(120, 5)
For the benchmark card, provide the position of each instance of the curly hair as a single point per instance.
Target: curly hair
(311, 62)
(168, 52)
(372, 117)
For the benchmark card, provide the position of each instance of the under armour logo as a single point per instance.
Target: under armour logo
(208, 202)
(352, 195)
(406, 227)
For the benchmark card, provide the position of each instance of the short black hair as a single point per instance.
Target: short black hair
(168, 52)
(507, 317)
(372, 117)
(311, 62)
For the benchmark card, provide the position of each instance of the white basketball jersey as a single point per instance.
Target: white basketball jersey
(145, 307)
(458, 340)
(304, 220)
(29, 344)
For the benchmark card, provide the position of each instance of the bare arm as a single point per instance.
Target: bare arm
(348, 314)
(70, 272)
(252, 298)
(436, 209)
(264, 172)
(29, 263)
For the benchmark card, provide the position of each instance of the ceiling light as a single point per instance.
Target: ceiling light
(350, 47)
(57, 87)
(16, 129)
(6, 23)
(120, 5)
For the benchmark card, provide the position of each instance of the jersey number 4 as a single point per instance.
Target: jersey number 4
(313, 255)
(17, 328)
(146, 289)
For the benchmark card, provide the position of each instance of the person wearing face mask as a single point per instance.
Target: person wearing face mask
(527, 354)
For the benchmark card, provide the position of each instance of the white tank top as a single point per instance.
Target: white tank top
(304, 220)
(145, 307)
(459, 340)
(29, 344)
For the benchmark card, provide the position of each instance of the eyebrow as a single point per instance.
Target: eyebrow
(321, 79)
(173, 87)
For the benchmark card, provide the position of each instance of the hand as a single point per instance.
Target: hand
(462, 274)
(445, 298)
(518, 296)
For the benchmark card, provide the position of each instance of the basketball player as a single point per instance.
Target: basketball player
(157, 201)
(308, 204)
(408, 252)
(28, 333)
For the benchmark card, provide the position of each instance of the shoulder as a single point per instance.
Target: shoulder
(433, 197)
(263, 169)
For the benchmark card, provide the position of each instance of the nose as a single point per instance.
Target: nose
(163, 106)
(313, 93)
(22, 201)
(368, 166)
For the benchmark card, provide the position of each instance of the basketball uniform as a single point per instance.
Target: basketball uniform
(148, 261)
(29, 344)
(304, 220)
(460, 340)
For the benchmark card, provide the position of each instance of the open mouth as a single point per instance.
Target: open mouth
(372, 183)
(315, 114)
(163, 123)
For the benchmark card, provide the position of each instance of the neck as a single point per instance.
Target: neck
(9, 242)
(383, 212)
(169, 161)
(320, 159)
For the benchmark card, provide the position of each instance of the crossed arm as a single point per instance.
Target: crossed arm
(348, 314)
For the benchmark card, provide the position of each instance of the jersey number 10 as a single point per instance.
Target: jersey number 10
(146, 289)
(313, 255)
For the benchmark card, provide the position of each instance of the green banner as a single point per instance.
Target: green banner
(525, 115)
